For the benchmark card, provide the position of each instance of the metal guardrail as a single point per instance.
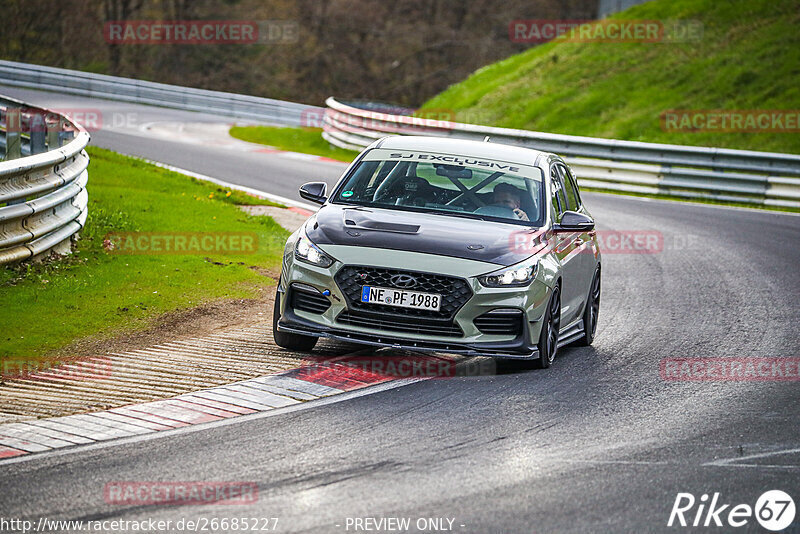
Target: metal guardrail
(43, 176)
(766, 178)
(157, 94)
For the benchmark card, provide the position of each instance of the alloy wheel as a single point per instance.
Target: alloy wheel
(553, 325)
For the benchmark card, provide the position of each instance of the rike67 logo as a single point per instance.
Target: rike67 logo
(774, 510)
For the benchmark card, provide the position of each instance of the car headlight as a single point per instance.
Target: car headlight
(305, 250)
(518, 275)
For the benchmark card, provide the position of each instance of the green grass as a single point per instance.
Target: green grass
(305, 140)
(748, 58)
(93, 294)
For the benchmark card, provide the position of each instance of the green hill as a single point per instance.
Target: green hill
(747, 59)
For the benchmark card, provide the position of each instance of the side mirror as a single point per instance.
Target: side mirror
(314, 191)
(572, 221)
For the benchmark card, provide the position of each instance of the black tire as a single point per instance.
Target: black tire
(548, 339)
(288, 340)
(591, 313)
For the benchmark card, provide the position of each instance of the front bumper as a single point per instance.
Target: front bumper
(531, 301)
(520, 347)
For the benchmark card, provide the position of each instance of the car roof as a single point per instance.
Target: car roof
(463, 147)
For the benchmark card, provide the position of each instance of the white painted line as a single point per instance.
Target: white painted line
(648, 463)
(215, 404)
(173, 412)
(609, 462)
(92, 424)
(756, 466)
(47, 432)
(227, 396)
(737, 459)
(35, 437)
(119, 425)
(298, 395)
(198, 408)
(131, 420)
(95, 435)
(301, 156)
(270, 399)
(125, 410)
(269, 196)
(22, 444)
(296, 384)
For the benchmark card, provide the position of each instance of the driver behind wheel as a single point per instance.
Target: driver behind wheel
(510, 197)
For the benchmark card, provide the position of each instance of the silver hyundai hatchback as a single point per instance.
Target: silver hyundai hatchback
(447, 245)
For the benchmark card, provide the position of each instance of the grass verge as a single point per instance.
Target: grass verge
(305, 140)
(96, 294)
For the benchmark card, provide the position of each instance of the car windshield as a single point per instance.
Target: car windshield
(446, 184)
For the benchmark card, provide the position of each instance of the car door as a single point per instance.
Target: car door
(584, 240)
(565, 249)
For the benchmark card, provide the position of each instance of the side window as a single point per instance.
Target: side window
(573, 200)
(559, 201)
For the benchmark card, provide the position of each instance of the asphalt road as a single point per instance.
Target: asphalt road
(597, 443)
(177, 137)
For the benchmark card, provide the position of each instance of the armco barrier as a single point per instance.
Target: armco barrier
(157, 94)
(43, 198)
(766, 178)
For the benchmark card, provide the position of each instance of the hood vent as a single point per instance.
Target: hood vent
(362, 221)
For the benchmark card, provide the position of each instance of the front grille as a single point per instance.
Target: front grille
(500, 322)
(455, 291)
(410, 325)
(308, 302)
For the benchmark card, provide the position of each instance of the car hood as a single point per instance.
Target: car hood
(487, 241)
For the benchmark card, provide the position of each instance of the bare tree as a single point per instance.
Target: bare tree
(401, 51)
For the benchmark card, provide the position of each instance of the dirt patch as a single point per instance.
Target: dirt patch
(291, 219)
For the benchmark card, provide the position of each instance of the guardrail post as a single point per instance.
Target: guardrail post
(64, 136)
(53, 130)
(13, 133)
(38, 133)
(14, 140)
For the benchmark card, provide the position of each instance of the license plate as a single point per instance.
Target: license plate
(401, 298)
